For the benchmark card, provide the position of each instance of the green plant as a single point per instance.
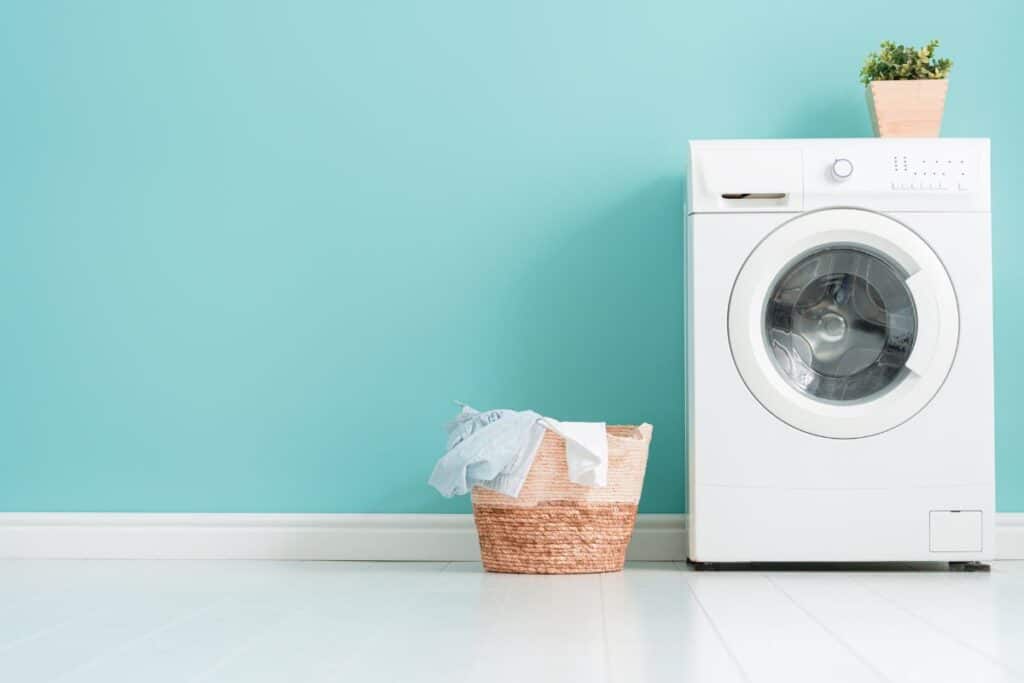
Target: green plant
(904, 63)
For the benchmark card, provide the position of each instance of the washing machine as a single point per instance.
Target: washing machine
(839, 351)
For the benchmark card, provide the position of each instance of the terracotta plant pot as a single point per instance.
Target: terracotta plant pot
(907, 109)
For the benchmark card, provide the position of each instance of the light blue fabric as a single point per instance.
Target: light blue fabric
(494, 449)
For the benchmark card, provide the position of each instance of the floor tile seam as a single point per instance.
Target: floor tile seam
(718, 633)
(132, 642)
(606, 641)
(830, 632)
(1017, 674)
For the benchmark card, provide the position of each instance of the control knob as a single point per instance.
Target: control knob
(842, 169)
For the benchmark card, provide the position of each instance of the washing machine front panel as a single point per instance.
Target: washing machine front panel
(843, 323)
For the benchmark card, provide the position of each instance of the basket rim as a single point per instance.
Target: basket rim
(641, 432)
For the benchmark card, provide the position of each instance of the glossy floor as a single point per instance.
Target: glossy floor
(328, 621)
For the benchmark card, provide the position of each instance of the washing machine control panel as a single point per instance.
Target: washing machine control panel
(882, 174)
(924, 173)
(910, 174)
(913, 171)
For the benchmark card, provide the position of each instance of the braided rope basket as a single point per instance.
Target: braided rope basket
(558, 527)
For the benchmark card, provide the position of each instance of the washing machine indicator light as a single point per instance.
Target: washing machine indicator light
(842, 169)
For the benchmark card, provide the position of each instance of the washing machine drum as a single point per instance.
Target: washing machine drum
(843, 323)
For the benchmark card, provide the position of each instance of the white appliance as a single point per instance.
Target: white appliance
(839, 350)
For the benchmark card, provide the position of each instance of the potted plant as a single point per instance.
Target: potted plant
(906, 89)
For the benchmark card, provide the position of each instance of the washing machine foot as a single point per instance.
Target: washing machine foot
(973, 566)
(702, 566)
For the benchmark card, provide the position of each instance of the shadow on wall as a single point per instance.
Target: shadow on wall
(598, 328)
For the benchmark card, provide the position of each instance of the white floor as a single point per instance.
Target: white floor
(151, 621)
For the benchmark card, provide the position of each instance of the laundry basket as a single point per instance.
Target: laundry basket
(558, 527)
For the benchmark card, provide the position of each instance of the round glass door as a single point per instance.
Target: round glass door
(843, 323)
(840, 324)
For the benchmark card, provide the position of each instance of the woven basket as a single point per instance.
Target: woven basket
(557, 527)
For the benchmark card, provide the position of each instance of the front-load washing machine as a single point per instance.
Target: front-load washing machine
(839, 351)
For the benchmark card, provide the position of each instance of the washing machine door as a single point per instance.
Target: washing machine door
(843, 323)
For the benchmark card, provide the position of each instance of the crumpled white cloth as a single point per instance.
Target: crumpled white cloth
(586, 450)
(495, 449)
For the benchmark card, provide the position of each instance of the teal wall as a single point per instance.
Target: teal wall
(250, 251)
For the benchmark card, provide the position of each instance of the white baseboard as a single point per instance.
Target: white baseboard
(410, 537)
